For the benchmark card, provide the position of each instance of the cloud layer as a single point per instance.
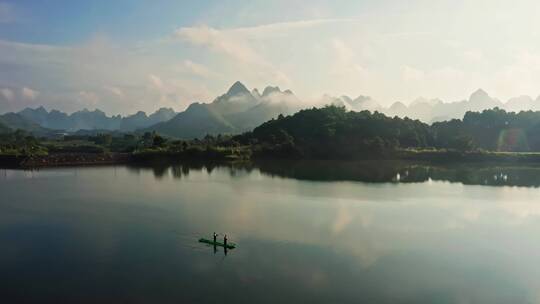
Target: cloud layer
(387, 50)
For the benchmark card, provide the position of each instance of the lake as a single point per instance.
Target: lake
(307, 232)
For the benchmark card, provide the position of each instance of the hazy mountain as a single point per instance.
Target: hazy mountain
(397, 109)
(424, 109)
(342, 101)
(237, 99)
(133, 122)
(255, 92)
(270, 90)
(89, 120)
(480, 100)
(432, 110)
(425, 101)
(360, 103)
(240, 109)
(16, 121)
(4, 129)
(38, 115)
(522, 103)
(271, 104)
(236, 111)
(163, 114)
(94, 120)
(196, 121)
(56, 120)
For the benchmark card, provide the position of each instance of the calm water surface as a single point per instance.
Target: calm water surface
(306, 233)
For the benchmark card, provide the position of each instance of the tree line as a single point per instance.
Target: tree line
(329, 132)
(333, 132)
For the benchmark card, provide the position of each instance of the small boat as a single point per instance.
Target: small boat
(211, 242)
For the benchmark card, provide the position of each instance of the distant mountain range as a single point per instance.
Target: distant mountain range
(240, 110)
(434, 110)
(14, 121)
(33, 119)
(236, 111)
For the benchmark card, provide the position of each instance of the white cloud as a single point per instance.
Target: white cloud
(343, 52)
(7, 94)
(450, 43)
(436, 82)
(207, 36)
(83, 73)
(198, 69)
(347, 62)
(156, 82)
(29, 94)
(521, 76)
(474, 56)
(87, 98)
(115, 91)
(224, 41)
(249, 47)
(346, 66)
(411, 74)
(287, 27)
(176, 93)
(357, 54)
(448, 74)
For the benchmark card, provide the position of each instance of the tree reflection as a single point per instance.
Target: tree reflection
(365, 171)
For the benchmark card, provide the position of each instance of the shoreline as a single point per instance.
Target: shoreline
(63, 160)
(95, 159)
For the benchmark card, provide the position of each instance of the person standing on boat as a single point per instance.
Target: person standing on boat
(215, 242)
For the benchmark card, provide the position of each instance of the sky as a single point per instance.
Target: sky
(123, 56)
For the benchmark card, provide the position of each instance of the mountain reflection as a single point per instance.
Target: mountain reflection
(367, 171)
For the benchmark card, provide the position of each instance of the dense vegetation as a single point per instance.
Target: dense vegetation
(19, 147)
(492, 130)
(4, 129)
(19, 143)
(330, 132)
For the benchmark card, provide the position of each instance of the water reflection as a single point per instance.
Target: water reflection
(113, 235)
(488, 174)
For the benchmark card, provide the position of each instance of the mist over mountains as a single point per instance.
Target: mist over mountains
(240, 110)
(236, 111)
(87, 120)
(435, 110)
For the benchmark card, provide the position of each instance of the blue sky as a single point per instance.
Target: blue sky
(122, 56)
(68, 22)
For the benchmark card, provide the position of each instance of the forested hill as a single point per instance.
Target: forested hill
(492, 130)
(332, 132)
(3, 128)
